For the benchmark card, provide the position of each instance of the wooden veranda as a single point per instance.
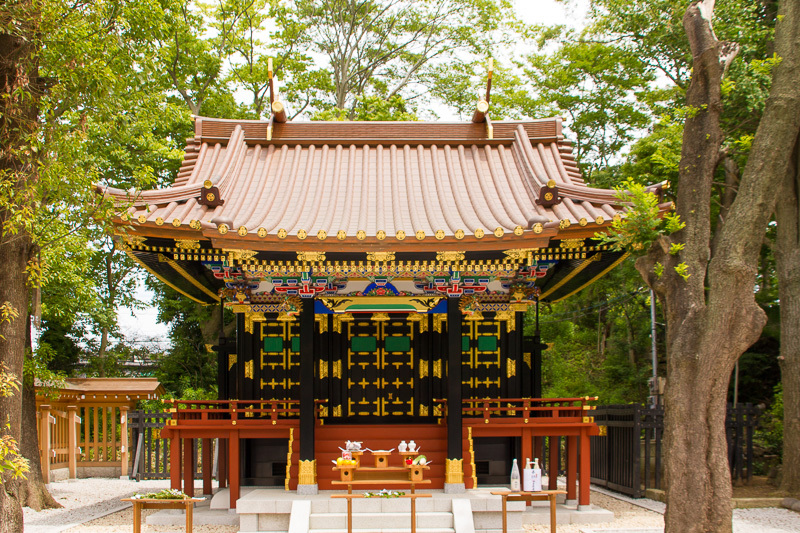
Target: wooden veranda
(233, 421)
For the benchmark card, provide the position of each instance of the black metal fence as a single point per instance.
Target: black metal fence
(628, 458)
(150, 458)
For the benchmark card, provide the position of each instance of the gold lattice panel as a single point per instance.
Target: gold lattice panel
(280, 359)
(482, 359)
(380, 368)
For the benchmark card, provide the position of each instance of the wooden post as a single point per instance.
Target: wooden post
(222, 462)
(207, 466)
(585, 471)
(175, 460)
(572, 466)
(233, 455)
(278, 112)
(72, 440)
(188, 467)
(44, 442)
(479, 115)
(123, 444)
(552, 455)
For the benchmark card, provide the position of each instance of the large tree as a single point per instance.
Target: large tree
(787, 259)
(708, 292)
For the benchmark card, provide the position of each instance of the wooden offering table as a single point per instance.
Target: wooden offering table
(382, 474)
(544, 495)
(412, 497)
(152, 503)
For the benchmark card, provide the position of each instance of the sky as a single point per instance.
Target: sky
(142, 324)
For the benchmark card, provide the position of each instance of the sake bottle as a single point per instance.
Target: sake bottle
(515, 480)
(527, 476)
(537, 476)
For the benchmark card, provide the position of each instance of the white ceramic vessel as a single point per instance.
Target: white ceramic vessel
(412, 446)
(402, 447)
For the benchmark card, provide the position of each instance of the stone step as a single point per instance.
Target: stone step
(386, 530)
(378, 521)
(381, 505)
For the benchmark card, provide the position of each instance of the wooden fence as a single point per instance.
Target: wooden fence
(85, 435)
(629, 458)
(151, 451)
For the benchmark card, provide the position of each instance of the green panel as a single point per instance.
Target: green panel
(487, 343)
(273, 344)
(363, 344)
(465, 343)
(398, 344)
(381, 307)
(296, 344)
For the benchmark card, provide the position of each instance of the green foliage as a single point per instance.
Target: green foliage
(642, 223)
(599, 341)
(594, 85)
(12, 464)
(370, 108)
(770, 431)
(187, 367)
(164, 494)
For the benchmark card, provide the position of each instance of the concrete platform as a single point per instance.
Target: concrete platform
(275, 510)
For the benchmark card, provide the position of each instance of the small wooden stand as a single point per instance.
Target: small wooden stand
(530, 497)
(350, 497)
(151, 503)
(381, 459)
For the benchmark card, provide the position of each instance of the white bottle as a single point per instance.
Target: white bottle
(402, 447)
(515, 476)
(537, 476)
(527, 476)
(412, 446)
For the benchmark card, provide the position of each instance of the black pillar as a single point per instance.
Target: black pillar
(307, 380)
(453, 379)
(244, 354)
(536, 359)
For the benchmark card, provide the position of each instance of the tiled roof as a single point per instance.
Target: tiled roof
(355, 183)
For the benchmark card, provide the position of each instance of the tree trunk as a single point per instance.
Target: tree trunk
(787, 258)
(712, 316)
(19, 98)
(101, 352)
(32, 491)
(13, 292)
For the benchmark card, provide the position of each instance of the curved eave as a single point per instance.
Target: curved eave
(572, 276)
(189, 278)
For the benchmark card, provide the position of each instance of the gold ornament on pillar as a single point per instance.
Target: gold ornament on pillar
(308, 472)
(454, 471)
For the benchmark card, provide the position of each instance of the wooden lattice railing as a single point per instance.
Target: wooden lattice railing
(205, 412)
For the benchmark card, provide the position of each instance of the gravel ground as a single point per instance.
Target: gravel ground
(626, 515)
(86, 499)
(93, 506)
(121, 522)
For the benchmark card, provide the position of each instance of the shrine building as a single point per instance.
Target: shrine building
(380, 273)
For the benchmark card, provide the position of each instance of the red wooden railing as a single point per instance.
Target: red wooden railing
(529, 410)
(201, 412)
